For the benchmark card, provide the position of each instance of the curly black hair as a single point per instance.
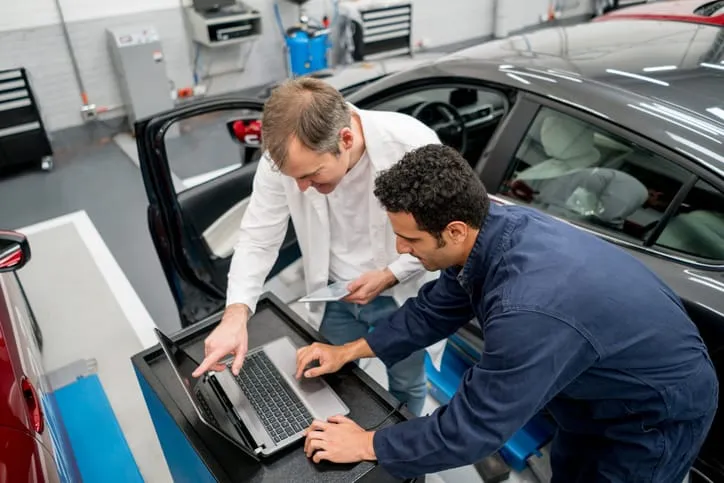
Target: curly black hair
(437, 186)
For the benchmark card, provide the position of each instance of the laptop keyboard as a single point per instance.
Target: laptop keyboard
(280, 410)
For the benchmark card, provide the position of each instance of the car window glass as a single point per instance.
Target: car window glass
(449, 109)
(710, 9)
(697, 228)
(576, 171)
(204, 147)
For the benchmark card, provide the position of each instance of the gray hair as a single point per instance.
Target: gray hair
(307, 108)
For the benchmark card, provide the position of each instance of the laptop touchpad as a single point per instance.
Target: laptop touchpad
(321, 400)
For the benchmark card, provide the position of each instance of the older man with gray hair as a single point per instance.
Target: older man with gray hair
(314, 139)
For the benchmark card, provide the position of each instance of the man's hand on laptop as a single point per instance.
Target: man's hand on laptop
(330, 358)
(229, 337)
(339, 440)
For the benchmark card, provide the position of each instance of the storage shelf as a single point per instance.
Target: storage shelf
(386, 29)
(23, 139)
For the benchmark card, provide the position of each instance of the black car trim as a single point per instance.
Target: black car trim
(425, 83)
(504, 143)
(149, 133)
(162, 184)
(671, 210)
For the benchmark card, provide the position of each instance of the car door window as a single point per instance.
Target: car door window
(453, 111)
(576, 171)
(204, 147)
(207, 147)
(697, 228)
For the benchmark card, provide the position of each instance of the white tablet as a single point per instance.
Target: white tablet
(335, 291)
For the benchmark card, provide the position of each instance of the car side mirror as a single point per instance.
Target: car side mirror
(245, 131)
(14, 251)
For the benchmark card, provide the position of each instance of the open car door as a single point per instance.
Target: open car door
(198, 181)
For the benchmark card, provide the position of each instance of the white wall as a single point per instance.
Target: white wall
(24, 14)
(18, 15)
(31, 37)
(79, 10)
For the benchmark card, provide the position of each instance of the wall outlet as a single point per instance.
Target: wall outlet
(88, 112)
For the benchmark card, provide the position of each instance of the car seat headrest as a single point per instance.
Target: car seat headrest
(565, 139)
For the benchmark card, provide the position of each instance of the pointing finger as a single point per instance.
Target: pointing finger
(301, 354)
(238, 362)
(206, 364)
(304, 361)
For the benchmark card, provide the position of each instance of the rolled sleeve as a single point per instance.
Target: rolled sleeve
(439, 309)
(529, 357)
(404, 267)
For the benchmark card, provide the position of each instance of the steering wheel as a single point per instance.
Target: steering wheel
(452, 131)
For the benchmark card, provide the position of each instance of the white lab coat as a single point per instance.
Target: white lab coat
(275, 197)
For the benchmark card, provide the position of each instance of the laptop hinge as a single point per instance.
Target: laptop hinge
(218, 390)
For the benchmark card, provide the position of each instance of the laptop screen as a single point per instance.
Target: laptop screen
(184, 364)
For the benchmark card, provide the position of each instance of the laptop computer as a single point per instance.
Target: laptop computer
(263, 410)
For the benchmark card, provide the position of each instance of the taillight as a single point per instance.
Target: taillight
(239, 130)
(11, 258)
(247, 132)
(33, 404)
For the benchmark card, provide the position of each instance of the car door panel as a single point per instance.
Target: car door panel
(214, 210)
(220, 236)
(195, 228)
(207, 202)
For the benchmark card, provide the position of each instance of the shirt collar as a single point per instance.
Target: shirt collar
(495, 230)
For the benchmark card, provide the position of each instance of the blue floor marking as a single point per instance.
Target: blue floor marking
(98, 443)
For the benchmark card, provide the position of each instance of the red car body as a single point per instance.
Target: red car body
(672, 10)
(33, 444)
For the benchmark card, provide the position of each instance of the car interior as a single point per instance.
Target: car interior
(464, 117)
(570, 169)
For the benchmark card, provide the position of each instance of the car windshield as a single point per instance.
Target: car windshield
(345, 90)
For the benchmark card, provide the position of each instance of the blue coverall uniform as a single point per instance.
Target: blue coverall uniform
(571, 323)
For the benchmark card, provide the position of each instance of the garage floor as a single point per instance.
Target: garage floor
(75, 287)
(94, 280)
(94, 272)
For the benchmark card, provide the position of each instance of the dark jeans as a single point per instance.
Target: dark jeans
(345, 322)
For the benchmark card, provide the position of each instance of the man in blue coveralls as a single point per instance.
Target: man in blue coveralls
(570, 323)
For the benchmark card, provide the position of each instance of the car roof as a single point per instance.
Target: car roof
(672, 10)
(660, 79)
(345, 76)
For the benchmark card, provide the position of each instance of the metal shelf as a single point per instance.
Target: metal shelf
(23, 139)
(386, 29)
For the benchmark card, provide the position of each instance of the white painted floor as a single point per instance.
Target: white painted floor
(87, 309)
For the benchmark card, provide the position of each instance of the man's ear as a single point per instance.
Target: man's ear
(346, 137)
(457, 231)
